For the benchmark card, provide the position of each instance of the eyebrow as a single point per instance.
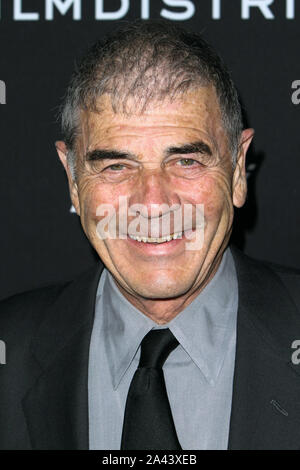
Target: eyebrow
(109, 154)
(195, 147)
(101, 154)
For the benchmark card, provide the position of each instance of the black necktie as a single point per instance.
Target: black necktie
(148, 422)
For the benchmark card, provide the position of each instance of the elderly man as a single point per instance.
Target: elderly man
(176, 341)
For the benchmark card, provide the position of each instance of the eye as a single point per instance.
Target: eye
(115, 167)
(187, 162)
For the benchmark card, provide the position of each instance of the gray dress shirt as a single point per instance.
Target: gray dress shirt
(198, 373)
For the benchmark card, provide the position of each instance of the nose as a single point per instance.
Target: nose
(153, 191)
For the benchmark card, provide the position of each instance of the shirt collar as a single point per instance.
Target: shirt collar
(124, 327)
(204, 328)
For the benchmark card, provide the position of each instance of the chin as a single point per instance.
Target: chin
(161, 288)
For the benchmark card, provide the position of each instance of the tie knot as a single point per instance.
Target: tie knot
(156, 346)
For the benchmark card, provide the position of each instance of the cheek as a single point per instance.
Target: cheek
(90, 199)
(89, 204)
(92, 195)
(213, 192)
(214, 202)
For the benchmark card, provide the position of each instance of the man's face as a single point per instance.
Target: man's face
(176, 153)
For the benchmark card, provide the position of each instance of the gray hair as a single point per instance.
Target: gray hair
(144, 61)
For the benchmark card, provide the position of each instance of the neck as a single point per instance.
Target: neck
(162, 311)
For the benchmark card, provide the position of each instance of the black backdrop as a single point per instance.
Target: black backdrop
(41, 239)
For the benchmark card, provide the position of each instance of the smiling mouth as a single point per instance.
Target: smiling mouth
(154, 240)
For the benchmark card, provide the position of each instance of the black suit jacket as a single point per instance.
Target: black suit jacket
(44, 384)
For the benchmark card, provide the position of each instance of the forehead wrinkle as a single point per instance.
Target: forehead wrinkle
(189, 104)
(100, 127)
(142, 131)
(117, 141)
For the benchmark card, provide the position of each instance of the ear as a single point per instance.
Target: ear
(62, 153)
(239, 180)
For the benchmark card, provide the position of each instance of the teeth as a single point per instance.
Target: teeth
(157, 240)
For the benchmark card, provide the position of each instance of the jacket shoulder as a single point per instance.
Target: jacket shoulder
(289, 277)
(23, 312)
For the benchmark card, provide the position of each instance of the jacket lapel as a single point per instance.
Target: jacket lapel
(266, 392)
(56, 407)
